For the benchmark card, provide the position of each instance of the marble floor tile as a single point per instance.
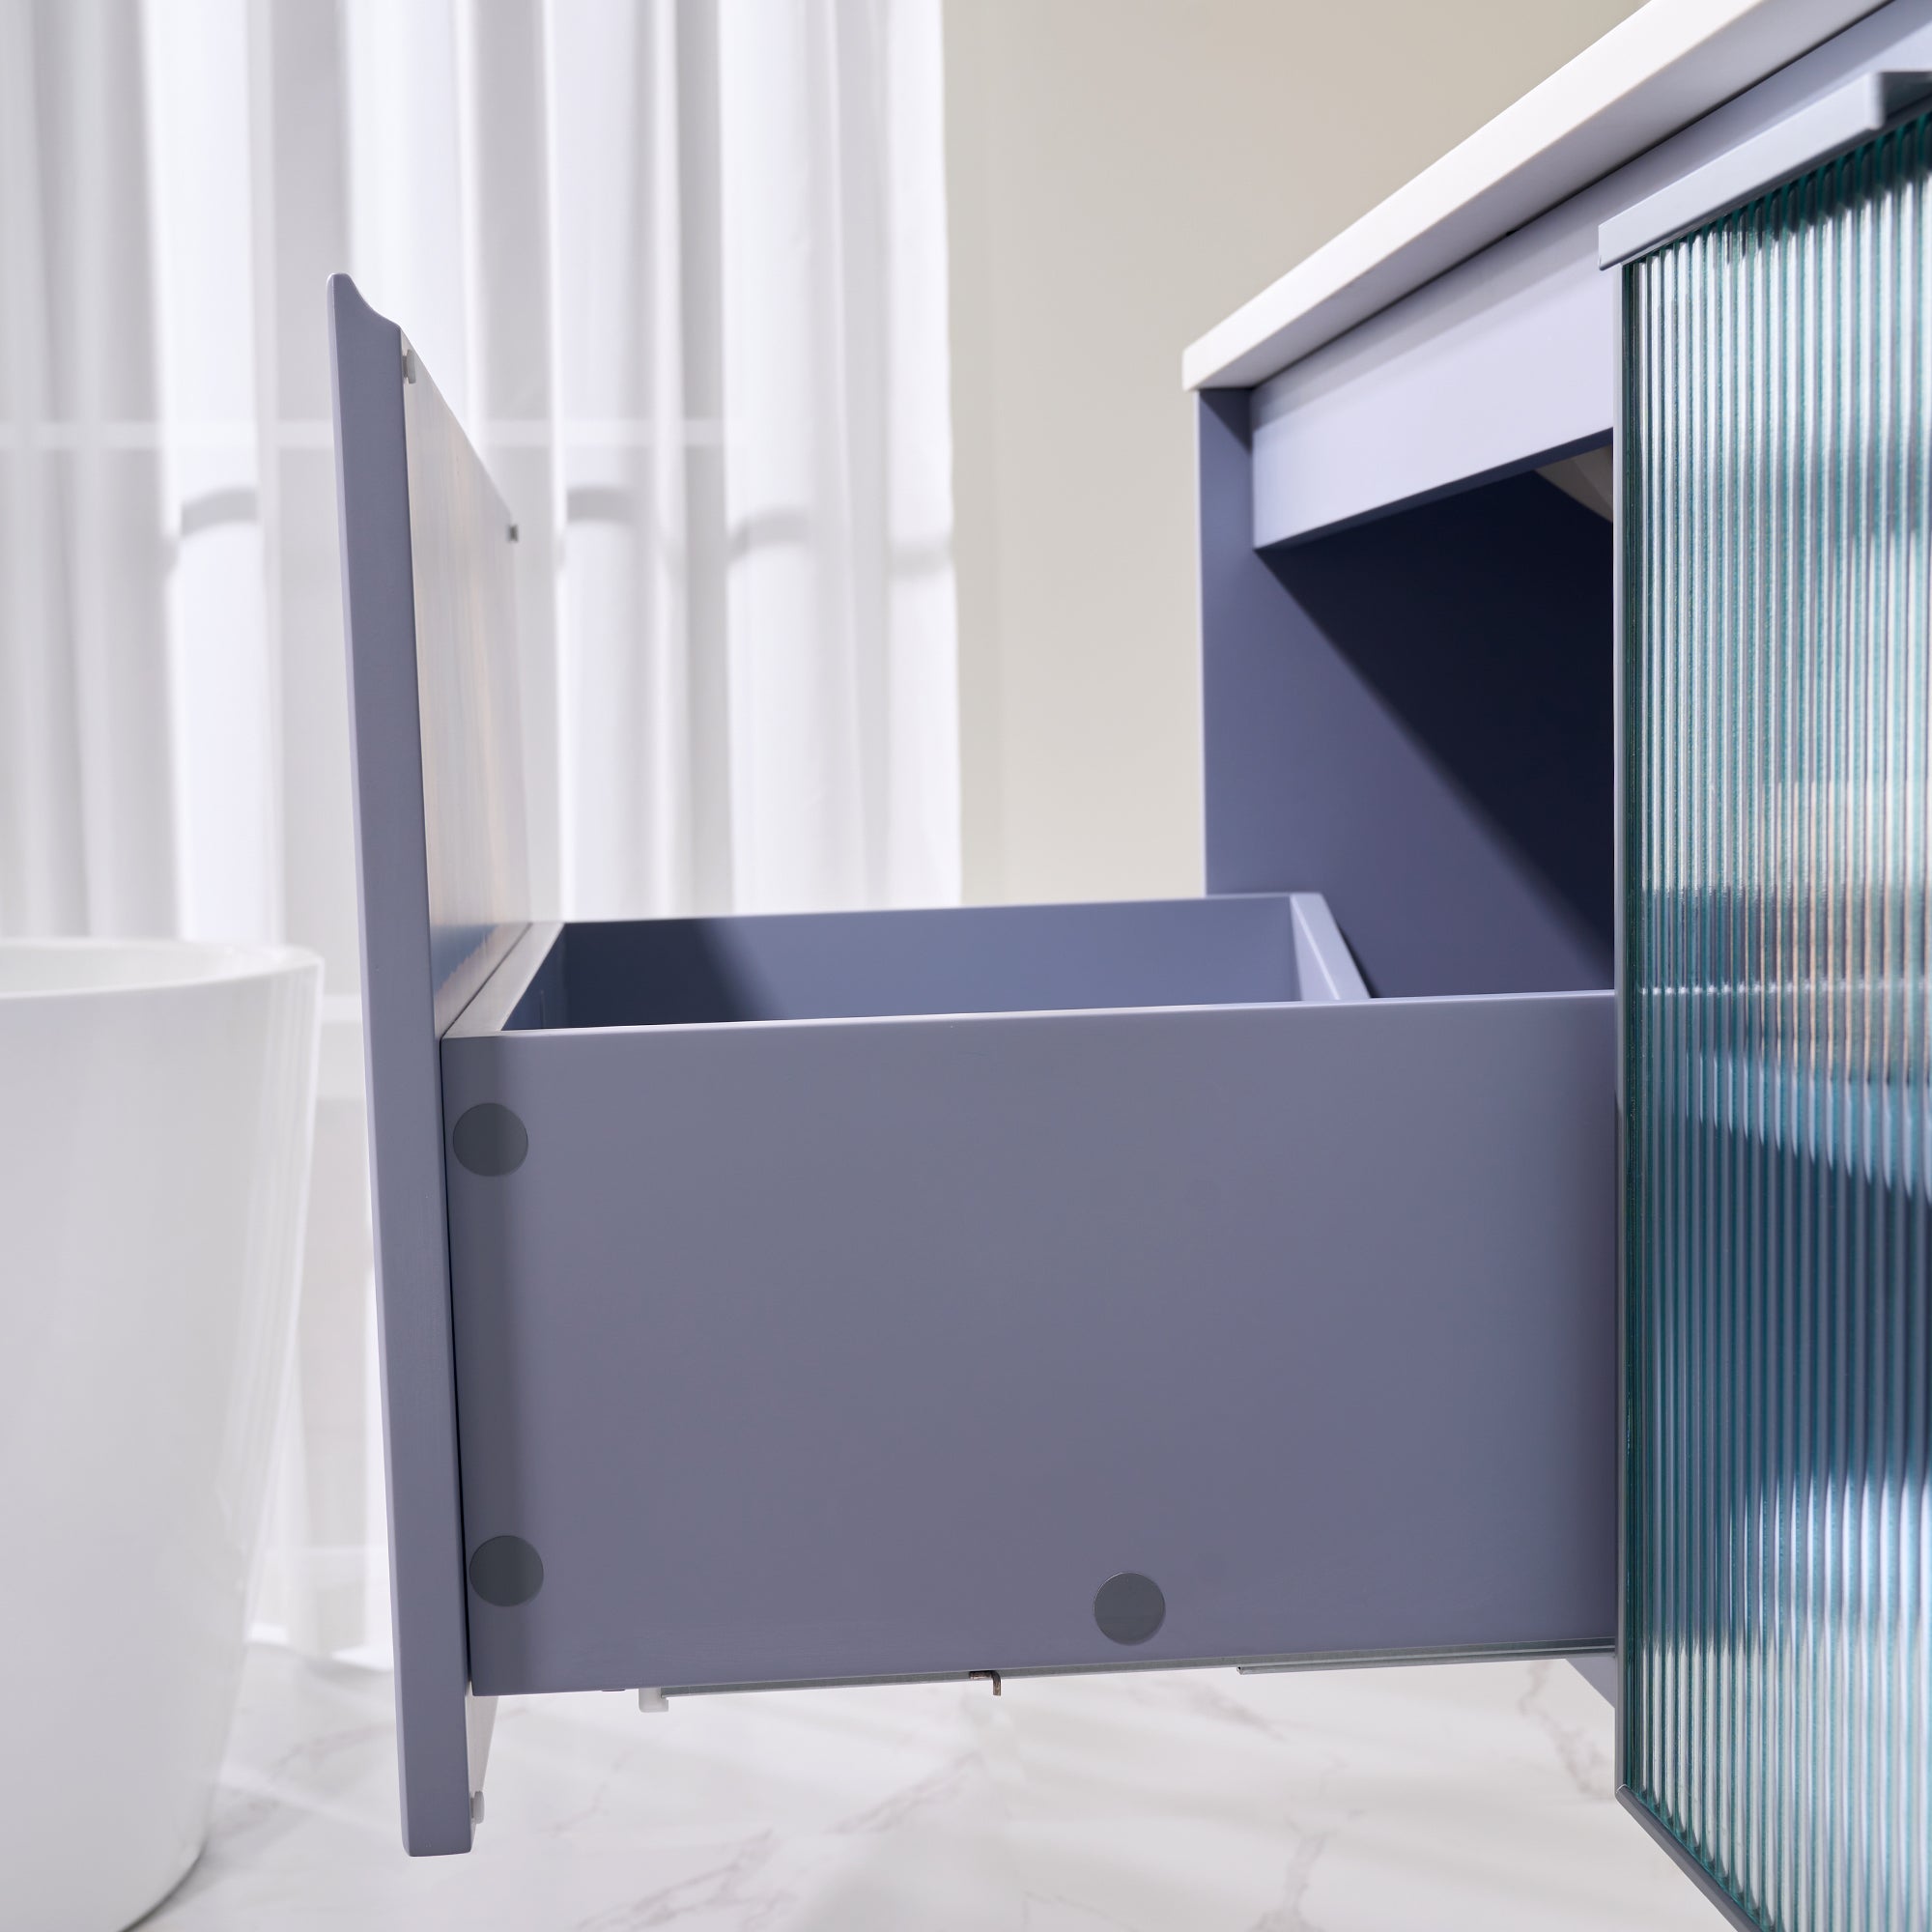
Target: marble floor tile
(1471, 1795)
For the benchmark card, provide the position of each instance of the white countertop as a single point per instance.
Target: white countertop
(1665, 66)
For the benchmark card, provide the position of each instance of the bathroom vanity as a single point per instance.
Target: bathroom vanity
(1262, 1280)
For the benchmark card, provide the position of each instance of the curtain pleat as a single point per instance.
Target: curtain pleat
(679, 267)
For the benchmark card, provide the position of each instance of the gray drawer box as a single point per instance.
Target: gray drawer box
(910, 1293)
(827, 1326)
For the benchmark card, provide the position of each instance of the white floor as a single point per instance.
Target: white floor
(1474, 1796)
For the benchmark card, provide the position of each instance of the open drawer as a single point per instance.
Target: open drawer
(771, 1301)
(835, 1296)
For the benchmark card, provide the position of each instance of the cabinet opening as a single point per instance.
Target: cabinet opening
(1436, 687)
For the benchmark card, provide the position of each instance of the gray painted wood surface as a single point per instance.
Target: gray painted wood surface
(439, 884)
(807, 1349)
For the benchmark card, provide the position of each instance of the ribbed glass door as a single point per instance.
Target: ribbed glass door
(1777, 1703)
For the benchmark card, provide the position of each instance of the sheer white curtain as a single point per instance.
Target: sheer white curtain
(681, 269)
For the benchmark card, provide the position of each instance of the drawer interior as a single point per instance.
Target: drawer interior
(1239, 950)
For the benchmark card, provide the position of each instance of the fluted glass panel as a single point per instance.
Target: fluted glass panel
(1777, 524)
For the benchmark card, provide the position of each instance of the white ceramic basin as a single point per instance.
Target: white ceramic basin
(155, 1110)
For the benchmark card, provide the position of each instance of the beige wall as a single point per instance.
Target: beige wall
(1121, 173)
